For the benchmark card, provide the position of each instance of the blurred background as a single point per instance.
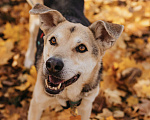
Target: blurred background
(125, 85)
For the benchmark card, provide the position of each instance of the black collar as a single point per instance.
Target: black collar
(71, 104)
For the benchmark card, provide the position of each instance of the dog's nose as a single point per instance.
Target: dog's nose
(54, 64)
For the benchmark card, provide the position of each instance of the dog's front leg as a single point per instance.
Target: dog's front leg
(30, 54)
(85, 110)
(40, 100)
(35, 110)
(37, 105)
(85, 107)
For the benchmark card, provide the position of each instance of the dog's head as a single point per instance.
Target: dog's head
(72, 52)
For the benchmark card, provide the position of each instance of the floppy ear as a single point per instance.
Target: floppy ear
(106, 33)
(48, 17)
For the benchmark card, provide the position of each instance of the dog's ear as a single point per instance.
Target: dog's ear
(106, 33)
(48, 17)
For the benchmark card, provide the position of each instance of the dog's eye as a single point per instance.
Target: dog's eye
(81, 48)
(53, 41)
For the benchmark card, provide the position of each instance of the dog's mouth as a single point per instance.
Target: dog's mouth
(54, 85)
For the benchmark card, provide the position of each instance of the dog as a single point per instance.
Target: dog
(69, 59)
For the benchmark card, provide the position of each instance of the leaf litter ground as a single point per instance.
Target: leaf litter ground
(125, 85)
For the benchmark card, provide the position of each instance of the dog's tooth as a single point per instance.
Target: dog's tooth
(59, 86)
(46, 83)
(50, 87)
(55, 88)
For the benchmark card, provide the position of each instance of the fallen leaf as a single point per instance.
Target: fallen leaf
(110, 118)
(144, 108)
(113, 97)
(106, 113)
(118, 114)
(132, 101)
(5, 51)
(142, 88)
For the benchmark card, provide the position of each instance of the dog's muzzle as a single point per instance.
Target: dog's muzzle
(53, 83)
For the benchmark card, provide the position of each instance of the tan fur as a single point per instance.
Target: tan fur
(68, 36)
(34, 24)
(33, 2)
(30, 54)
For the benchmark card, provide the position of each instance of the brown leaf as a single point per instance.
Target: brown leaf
(144, 107)
(8, 83)
(113, 97)
(106, 113)
(100, 102)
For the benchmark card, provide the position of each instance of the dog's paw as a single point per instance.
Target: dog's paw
(58, 108)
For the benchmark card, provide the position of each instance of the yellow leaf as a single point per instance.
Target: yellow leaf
(142, 88)
(5, 51)
(145, 22)
(139, 41)
(132, 101)
(14, 34)
(149, 39)
(116, 65)
(33, 72)
(110, 118)
(23, 87)
(146, 90)
(11, 32)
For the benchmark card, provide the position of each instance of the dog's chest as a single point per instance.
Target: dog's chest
(71, 93)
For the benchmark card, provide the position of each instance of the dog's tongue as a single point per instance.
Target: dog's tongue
(54, 80)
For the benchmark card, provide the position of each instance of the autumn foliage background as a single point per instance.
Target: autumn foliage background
(125, 86)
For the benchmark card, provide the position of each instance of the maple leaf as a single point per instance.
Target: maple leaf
(11, 32)
(105, 114)
(142, 88)
(23, 86)
(5, 51)
(132, 100)
(113, 96)
(31, 79)
(144, 107)
(17, 33)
